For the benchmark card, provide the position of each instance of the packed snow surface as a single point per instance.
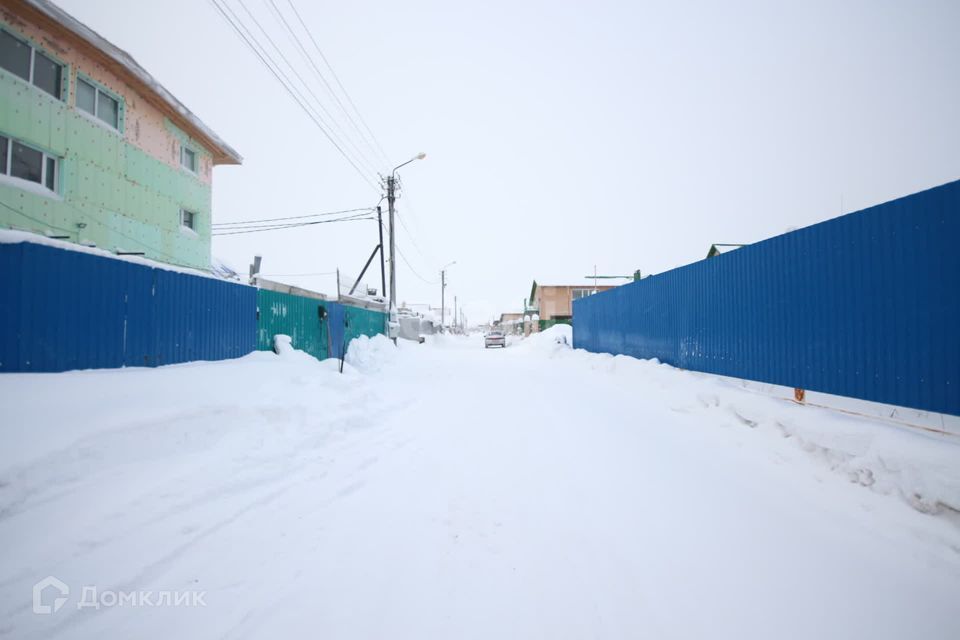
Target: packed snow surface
(448, 491)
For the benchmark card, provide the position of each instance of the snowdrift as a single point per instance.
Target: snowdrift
(920, 467)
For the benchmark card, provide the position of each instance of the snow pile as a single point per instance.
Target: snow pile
(369, 355)
(558, 338)
(922, 468)
(283, 347)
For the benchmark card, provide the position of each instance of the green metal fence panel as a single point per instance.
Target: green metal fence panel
(546, 324)
(301, 318)
(363, 322)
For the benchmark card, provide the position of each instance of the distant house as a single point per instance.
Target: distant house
(717, 249)
(511, 323)
(553, 304)
(93, 149)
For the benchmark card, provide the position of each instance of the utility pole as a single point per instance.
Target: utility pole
(391, 198)
(443, 288)
(383, 277)
(455, 316)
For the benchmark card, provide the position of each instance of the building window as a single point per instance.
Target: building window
(98, 103)
(25, 61)
(582, 293)
(26, 163)
(188, 158)
(188, 219)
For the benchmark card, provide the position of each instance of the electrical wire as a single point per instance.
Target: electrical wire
(316, 70)
(410, 236)
(311, 215)
(296, 275)
(407, 262)
(291, 226)
(331, 121)
(336, 78)
(412, 270)
(270, 225)
(287, 88)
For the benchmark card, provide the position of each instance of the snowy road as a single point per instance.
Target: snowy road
(450, 491)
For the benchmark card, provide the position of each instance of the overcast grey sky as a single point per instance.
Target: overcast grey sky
(563, 135)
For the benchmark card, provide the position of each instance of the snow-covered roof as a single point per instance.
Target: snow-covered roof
(222, 152)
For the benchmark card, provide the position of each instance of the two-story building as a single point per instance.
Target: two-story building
(552, 304)
(93, 149)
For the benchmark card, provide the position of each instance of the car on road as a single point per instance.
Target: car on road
(494, 339)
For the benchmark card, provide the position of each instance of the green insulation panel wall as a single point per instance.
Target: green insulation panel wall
(109, 192)
(295, 316)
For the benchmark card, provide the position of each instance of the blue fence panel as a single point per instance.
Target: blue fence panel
(62, 310)
(347, 322)
(866, 305)
(335, 316)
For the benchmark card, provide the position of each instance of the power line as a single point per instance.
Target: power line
(272, 227)
(339, 84)
(412, 270)
(410, 235)
(332, 125)
(312, 215)
(268, 225)
(402, 256)
(297, 275)
(406, 228)
(332, 122)
(316, 70)
(290, 226)
(287, 88)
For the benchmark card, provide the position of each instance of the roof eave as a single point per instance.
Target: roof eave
(53, 18)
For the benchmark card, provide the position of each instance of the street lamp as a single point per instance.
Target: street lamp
(443, 288)
(391, 198)
(419, 156)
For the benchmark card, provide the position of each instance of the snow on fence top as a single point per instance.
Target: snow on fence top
(12, 236)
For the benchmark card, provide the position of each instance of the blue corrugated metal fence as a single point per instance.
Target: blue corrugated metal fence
(62, 310)
(866, 305)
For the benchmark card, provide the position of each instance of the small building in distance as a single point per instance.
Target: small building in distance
(719, 249)
(511, 323)
(553, 304)
(93, 149)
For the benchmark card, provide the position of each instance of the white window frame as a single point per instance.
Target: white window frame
(43, 166)
(193, 219)
(184, 149)
(585, 292)
(97, 90)
(33, 55)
